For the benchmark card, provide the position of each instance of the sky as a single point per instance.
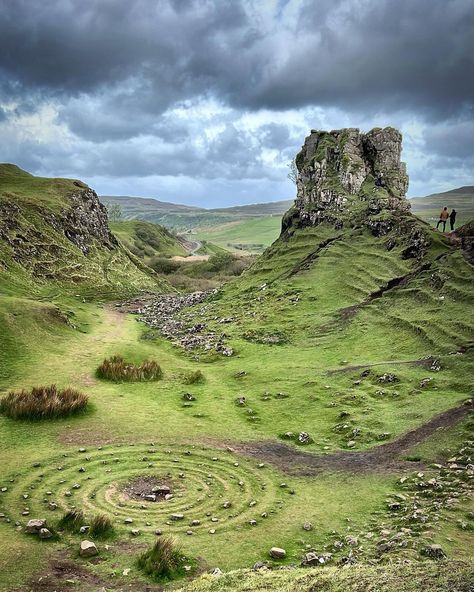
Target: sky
(205, 102)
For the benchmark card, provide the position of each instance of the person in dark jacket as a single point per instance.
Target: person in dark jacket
(452, 218)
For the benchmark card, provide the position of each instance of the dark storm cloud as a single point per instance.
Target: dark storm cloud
(128, 81)
(354, 54)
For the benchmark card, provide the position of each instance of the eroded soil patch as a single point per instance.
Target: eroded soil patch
(149, 488)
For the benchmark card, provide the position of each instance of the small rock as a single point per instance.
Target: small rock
(216, 572)
(135, 532)
(277, 553)
(88, 549)
(307, 526)
(44, 533)
(35, 525)
(177, 516)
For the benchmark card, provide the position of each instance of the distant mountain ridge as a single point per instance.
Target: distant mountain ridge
(182, 217)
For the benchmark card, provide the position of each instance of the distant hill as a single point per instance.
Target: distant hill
(183, 218)
(461, 199)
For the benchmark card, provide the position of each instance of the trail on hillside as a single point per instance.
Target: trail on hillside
(385, 457)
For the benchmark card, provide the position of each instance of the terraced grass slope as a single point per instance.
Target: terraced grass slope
(54, 236)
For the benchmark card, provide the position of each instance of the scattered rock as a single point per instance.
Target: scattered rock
(277, 553)
(88, 549)
(35, 525)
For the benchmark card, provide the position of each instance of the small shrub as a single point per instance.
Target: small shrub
(42, 403)
(194, 377)
(71, 521)
(118, 370)
(163, 265)
(162, 561)
(101, 526)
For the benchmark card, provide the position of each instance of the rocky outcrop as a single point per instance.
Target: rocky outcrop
(350, 179)
(341, 170)
(86, 221)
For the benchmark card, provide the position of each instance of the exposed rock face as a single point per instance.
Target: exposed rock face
(343, 169)
(86, 221)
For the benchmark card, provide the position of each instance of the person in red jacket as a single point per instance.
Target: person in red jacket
(443, 217)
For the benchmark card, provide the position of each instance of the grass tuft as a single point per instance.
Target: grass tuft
(118, 370)
(162, 561)
(43, 402)
(194, 377)
(72, 521)
(101, 526)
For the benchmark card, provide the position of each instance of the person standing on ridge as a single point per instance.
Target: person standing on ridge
(452, 219)
(443, 217)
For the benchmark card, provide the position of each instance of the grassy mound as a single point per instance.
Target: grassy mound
(118, 370)
(163, 561)
(43, 402)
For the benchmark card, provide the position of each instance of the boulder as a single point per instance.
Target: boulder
(88, 549)
(35, 525)
(277, 553)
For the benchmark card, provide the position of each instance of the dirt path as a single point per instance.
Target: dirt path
(381, 458)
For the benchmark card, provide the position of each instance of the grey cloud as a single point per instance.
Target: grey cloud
(372, 55)
(453, 140)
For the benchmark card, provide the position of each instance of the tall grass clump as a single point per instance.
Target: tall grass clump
(193, 377)
(118, 370)
(101, 526)
(72, 521)
(162, 561)
(43, 402)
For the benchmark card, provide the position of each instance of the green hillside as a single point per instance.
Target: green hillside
(147, 240)
(182, 218)
(250, 235)
(54, 237)
(461, 199)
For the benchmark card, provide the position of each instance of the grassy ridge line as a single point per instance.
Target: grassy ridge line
(461, 199)
(442, 577)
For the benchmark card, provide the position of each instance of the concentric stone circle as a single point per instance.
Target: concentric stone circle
(213, 491)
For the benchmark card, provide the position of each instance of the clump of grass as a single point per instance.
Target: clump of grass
(193, 377)
(72, 521)
(163, 561)
(101, 526)
(118, 370)
(42, 403)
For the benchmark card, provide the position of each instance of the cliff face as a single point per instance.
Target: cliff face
(350, 179)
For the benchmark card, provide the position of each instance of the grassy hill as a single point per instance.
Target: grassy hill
(147, 240)
(182, 217)
(54, 236)
(250, 235)
(461, 199)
